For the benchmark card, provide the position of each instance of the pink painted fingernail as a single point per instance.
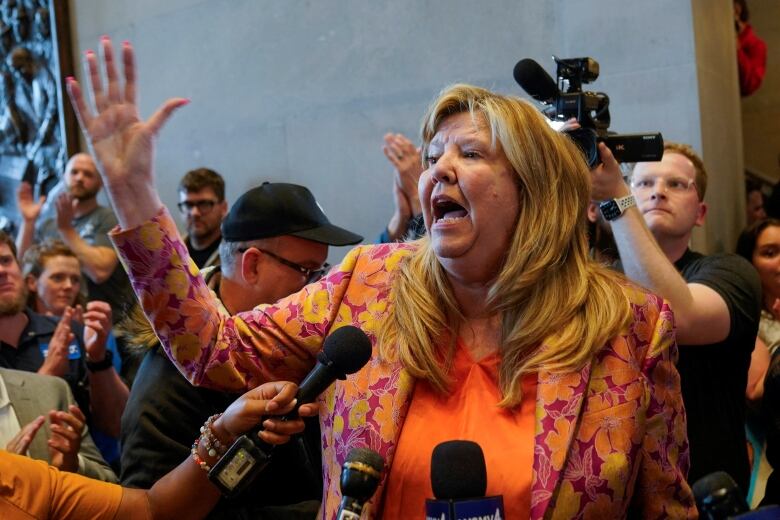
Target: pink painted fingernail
(69, 79)
(89, 52)
(105, 38)
(126, 43)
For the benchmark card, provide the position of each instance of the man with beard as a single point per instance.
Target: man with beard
(203, 206)
(27, 400)
(63, 348)
(83, 225)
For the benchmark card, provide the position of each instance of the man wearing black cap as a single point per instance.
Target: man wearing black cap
(275, 240)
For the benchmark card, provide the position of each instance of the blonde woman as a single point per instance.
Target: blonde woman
(496, 317)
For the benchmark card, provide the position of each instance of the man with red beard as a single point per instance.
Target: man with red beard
(83, 225)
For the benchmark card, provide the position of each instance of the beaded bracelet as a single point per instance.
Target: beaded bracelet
(210, 441)
(200, 462)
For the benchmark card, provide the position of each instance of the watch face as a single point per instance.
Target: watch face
(609, 209)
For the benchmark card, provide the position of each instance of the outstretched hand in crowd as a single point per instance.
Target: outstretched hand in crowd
(29, 208)
(120, 141)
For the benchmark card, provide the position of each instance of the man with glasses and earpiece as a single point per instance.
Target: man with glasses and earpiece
(203, 206)
(274, 240)
(715, 298)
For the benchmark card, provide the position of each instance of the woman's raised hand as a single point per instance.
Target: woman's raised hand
(122, 143)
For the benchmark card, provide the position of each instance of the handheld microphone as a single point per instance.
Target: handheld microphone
(718, 497)
(459, 482)
(535, 80)
(360, 476)
(344, 352)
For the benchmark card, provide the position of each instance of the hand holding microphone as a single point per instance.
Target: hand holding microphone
(344, 352)
(265, 403)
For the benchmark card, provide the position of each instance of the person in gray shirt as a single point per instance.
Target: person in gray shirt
(83, 225)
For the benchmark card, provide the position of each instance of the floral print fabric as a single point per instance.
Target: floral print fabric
(610, 440)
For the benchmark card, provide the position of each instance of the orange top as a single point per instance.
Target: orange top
(31, 489)
(469, 412)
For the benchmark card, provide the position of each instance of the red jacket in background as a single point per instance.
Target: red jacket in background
(751, 60)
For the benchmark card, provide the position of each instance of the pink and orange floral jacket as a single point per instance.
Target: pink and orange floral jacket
(610, 439)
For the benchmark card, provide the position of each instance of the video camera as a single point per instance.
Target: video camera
(567, 100)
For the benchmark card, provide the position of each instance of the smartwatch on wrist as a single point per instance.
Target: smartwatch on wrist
(613, 208)
(104, 364)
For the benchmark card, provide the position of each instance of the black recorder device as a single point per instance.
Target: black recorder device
(241, 464)
(566, 100)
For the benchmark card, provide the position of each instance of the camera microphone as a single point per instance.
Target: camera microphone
(459, 482)
(535, 81)
(345, 351)
(360, 476)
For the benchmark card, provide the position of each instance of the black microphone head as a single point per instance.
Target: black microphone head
(348, 348)
(361, 474)
(535, 80)
(458, 471)
(367, 457)
(718, 496)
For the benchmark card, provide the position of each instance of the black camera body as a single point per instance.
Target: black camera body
(567, 100)
(590, 109)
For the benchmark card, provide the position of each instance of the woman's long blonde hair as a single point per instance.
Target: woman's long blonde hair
(557, 307)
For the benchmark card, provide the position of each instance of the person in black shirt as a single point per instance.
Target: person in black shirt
(275, 241)
(771, 412)
(716, 299)
(203, 206)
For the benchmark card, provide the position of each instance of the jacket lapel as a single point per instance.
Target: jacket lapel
(366, 410)
(559, 404)
(26, 408)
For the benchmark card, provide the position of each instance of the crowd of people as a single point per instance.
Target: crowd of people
(512, 287)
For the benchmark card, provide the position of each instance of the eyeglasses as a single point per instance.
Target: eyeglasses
(204, 206)
(672, 184)
(312, 275)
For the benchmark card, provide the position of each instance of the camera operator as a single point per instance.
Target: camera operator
(715, 298)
